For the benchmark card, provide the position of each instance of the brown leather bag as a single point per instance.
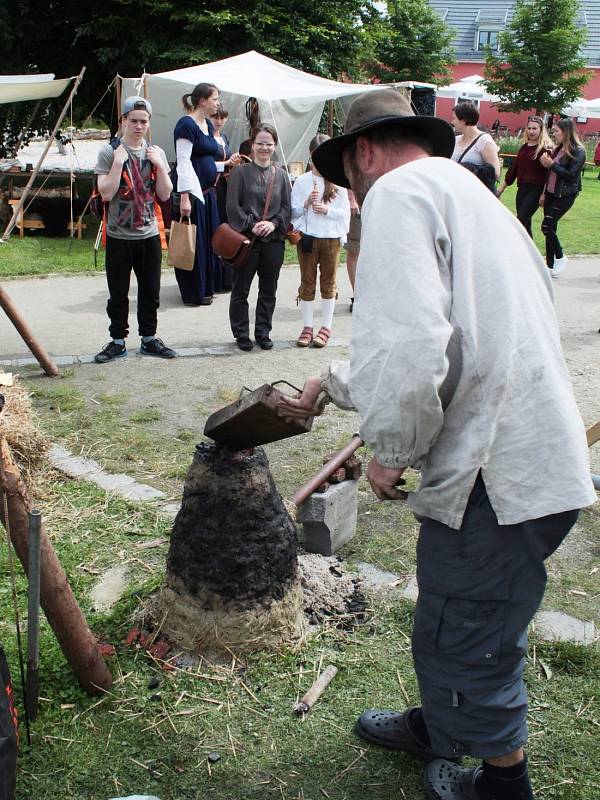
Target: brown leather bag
(233, 246)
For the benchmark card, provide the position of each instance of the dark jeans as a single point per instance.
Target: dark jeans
(265, 259)
(554, 209)
(144, 257)
(528, 195)
(479, 588)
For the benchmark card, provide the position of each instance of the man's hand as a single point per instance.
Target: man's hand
(305, 405)
(121, 155)
(384, 481)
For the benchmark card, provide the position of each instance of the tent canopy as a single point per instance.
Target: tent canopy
(472, 87)
(583, 108)
(17, 88)
(289, 99)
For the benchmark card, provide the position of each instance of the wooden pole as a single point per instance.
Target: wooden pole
(14, 315)
(25, 128)
(316, 690)
(145, 85)
(33, 614)
(18, 208)
(330, 118)
(62, 611)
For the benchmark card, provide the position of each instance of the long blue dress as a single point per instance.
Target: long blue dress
(205, 279)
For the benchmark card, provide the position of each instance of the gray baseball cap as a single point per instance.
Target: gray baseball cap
(374, 110)
(137, 104)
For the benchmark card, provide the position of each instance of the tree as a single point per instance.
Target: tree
(539, 64)
(129, 36)
(411, 42)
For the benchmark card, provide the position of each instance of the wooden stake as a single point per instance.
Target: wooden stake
(17, 319)
(316, 690)
(593, 434)
(62, 611)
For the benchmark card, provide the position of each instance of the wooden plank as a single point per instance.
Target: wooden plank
(593, 434)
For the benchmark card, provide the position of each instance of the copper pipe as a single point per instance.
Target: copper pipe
(327, 470)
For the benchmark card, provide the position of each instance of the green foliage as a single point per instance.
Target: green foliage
(539, 65)
(411, 42)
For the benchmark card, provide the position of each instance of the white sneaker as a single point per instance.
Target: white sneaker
(560, 265)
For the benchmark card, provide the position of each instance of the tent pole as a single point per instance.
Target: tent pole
(145, 87)
(280, 144)
(12, 312)
(330, 118)
(119, 89)
(18, 208)
(32, 116)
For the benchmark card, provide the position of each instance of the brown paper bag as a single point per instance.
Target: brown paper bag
(182, 245)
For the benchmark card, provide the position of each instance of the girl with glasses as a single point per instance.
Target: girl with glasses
(247, 192)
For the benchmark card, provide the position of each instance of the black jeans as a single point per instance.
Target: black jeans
(554, 209)
(528, 195)
(265, 259)
(144, 256)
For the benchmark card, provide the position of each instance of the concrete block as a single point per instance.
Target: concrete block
(329, 519)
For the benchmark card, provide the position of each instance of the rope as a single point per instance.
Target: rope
(91, 114)
(11, 569)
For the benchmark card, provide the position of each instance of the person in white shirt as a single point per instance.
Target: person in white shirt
(321, 211)
(456, 370)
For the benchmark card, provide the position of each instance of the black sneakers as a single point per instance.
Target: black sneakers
(156, 347)
(244, 343)
(111, 351)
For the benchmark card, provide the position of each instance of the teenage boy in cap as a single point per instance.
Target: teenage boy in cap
(456, 370)
(129, 176)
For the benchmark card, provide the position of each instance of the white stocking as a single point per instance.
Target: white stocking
(307, 307)
(327, 307)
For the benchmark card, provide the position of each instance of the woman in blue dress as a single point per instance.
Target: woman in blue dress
(194, 177)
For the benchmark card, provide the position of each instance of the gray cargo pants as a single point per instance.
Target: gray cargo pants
(479, 588)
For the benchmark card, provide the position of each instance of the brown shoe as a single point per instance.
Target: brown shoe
(305, 337)
(322, 337)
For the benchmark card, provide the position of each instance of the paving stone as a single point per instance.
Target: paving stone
(555, 626)
(88, 469)
(374, 579)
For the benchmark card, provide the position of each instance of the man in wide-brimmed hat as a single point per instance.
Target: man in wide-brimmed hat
(456, 370)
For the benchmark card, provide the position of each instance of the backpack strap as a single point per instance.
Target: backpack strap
(473, 143)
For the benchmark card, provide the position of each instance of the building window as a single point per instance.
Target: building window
(487, 38)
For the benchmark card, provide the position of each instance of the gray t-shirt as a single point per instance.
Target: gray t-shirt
(128, 219)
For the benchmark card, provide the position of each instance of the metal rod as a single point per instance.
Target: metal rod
(18, 208)
(305, 491)
(33, 612)
(14, 315)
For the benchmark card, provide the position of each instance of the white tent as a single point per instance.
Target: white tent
(289, 99)
(583, 108)
(17, 88)
(471, 88)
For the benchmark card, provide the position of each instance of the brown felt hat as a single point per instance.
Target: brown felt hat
(373, 110)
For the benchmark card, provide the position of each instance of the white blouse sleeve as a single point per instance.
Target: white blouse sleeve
(187, 180)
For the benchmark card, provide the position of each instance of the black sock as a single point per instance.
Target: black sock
(505, 783)
(418, 723)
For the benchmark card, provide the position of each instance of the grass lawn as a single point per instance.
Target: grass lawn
(39, 255)
(139, 739)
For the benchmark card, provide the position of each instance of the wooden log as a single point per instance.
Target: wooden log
(18, 320)
(56, 597)
(315, 691)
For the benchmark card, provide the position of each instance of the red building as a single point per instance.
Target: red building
(477, 23)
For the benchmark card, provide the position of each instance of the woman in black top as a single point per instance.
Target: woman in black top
(246, 195)
(562, 187)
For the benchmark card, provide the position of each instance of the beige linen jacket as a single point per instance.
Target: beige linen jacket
(455, 357)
